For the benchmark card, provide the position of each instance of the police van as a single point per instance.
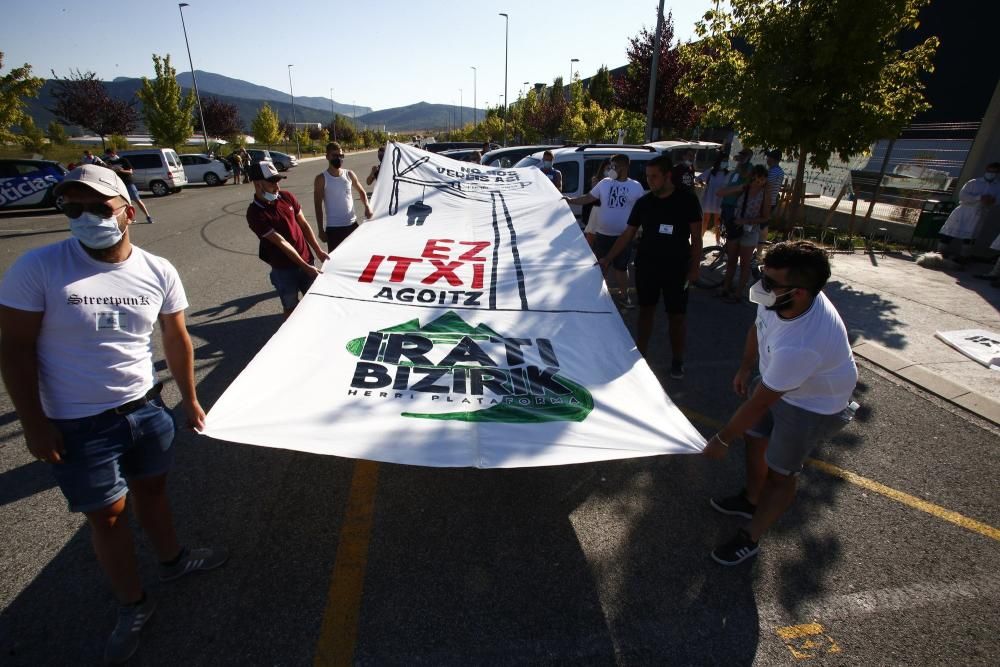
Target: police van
(29, 183)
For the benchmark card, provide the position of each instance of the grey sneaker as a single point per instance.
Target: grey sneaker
(193, 560)
(124, 639)
(149, 220)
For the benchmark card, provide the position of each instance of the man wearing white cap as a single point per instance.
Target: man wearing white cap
(76, 323)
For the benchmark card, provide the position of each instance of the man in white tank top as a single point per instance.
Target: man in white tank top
(332, 193)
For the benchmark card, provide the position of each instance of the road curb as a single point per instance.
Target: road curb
(954, 393)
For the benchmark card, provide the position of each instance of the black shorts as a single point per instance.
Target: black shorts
(650, 283)
(602, 246)
(336, 235)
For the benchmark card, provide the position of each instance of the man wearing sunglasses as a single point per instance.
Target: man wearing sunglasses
(76, 324)
(802, 397)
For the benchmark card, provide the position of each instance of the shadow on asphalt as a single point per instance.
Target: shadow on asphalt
(25, 481)
(868, 313)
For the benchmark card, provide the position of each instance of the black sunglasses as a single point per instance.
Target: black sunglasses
(768, 284)
(102, 209)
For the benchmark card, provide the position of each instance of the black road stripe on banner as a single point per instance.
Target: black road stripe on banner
(514, 253)
(496, 254)
(457, 307)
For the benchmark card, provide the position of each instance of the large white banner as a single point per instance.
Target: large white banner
(465, 325)
(977, 344)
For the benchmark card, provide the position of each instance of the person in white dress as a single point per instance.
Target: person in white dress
(711, 202)
(975, 198)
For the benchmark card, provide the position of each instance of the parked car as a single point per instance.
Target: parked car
(29, 183)
(502, 158)
(260, 155)
(283, 161)
(158, 170)
(199, 167)
(440, 146)
(579, 163)
(461, 154)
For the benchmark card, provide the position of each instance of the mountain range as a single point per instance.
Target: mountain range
(249, 97)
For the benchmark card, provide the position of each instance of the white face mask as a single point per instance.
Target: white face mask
(724, 165)
(769, 300)
(94, 232)
(990, 176)
(612, 174)
(269, 196)
(546, 164)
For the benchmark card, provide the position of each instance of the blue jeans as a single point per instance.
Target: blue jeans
(289, 282)
(104, 451)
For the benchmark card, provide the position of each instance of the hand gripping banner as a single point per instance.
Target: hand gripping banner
(466, 324)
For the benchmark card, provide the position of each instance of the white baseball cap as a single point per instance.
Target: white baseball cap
(99, 179)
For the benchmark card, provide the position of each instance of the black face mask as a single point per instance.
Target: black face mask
(336, 162)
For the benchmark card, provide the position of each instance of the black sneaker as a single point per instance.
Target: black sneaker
(736, 550)
(677, 370)
(737, 505)
(125, 639)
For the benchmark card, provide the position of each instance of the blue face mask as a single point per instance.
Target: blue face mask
(269, 196)
(95, 232)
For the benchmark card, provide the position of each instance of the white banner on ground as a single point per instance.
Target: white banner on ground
(977, 344)
(465, 325)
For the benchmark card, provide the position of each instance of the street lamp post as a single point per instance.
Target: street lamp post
(524, 87)
(461, 110)
(506, 34)
(475, 111)
(295, 131)
(333, 116)
(194, 80)
(652, 74)
(571, 61)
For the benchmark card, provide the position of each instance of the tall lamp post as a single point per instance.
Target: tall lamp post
(506, 34)
(194, 80)
(295, 130)
(652, 74)
(333, 116)
(524, 87)
(475, 111)
(461, 110)
(571, 61)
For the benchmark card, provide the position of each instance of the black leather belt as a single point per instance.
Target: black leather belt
(132, 406)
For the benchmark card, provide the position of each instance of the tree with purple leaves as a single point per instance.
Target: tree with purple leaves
(673, 113)
(82, 100)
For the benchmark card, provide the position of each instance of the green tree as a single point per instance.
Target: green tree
(57, 133)
(31, 137)
(15, 86)
(601, 90)
(265, 127)
(814, 78)
(168, 115)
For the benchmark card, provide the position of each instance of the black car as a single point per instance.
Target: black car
(439, 146)
(28, 183)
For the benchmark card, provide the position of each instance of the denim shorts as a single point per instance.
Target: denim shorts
(103, 452)
(133, 192)
(289, 283)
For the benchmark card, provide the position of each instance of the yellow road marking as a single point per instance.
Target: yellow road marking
(807, 640)
(871, 485)
(339, 631)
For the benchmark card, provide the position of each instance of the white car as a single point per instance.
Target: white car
(200, 168)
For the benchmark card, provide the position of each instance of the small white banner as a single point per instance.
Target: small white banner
(977, 344)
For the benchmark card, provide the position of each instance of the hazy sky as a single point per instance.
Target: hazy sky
(377, 53)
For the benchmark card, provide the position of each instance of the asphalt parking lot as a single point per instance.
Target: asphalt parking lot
(887, 557)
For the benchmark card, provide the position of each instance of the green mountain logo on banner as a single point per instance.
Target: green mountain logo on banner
(446, 359)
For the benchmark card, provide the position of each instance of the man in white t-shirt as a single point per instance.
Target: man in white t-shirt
(617, 194)
(76, 354)
(803, 396)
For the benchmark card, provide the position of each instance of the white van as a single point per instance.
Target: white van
(158, 170)
(578, 164)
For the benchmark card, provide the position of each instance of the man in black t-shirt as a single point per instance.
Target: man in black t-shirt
(123, 168)
(668, 257)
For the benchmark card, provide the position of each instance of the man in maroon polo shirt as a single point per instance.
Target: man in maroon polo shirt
(287, 242)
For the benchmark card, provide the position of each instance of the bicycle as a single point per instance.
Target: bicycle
(712, 270)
